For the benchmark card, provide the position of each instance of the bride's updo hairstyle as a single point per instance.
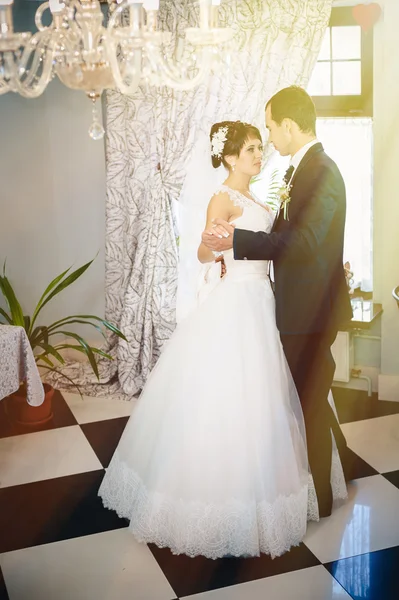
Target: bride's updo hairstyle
(228, 139)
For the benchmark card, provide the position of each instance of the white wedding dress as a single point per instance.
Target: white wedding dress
(213, 460)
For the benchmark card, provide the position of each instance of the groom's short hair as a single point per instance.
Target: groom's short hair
(294, 103)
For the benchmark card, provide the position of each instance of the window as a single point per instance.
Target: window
(342, 80)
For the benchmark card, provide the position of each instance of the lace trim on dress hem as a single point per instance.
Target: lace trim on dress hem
(211, 530)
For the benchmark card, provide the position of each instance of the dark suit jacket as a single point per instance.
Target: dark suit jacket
(306, 250)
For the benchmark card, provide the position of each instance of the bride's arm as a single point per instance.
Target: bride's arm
(218, 207)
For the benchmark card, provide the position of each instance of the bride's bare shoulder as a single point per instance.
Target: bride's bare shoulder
(220, 196)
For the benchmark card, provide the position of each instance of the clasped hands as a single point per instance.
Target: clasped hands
(220, 237)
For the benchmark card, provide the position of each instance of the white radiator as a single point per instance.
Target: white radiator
(342, 351)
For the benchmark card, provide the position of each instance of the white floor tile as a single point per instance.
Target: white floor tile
(89, 409)
(44, 455)
(105, 566)
(376, 441)
(368, 521)
(307, 584)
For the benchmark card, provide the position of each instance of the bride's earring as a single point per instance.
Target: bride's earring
(233, 168)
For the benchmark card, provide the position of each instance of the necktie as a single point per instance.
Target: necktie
(288, 173)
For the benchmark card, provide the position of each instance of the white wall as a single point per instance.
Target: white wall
(386, 200)
(52, 199)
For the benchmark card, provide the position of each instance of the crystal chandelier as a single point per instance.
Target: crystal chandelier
(85, 55)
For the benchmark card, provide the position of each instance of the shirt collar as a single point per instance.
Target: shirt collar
(298, 156)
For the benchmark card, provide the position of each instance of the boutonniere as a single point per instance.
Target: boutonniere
(279, 193)
(285, 198)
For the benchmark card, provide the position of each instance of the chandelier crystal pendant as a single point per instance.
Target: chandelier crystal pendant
(85, 55)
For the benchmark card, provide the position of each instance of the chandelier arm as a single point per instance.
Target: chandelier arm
(116, 15)
(113, 49)
(36, 46)
(39, 16)
(29, 88)
(131, 88)
(9, 68)
(73, 12)
(170, 74)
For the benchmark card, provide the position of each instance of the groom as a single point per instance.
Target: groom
(306, 247)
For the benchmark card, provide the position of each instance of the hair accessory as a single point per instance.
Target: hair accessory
(218, 141)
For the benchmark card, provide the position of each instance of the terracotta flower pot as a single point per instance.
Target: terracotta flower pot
(22, 413)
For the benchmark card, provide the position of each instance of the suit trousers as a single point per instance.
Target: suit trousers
(312, 366)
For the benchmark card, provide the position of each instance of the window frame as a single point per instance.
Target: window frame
(350, 105)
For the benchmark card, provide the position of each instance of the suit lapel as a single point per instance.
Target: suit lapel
(309, 154)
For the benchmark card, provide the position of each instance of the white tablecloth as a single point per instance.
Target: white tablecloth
(17, 364)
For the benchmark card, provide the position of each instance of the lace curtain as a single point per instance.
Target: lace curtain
(148, 141)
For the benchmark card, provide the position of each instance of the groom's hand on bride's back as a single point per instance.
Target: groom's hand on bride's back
(220, 237)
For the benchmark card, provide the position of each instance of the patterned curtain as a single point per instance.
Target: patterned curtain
(148, 143)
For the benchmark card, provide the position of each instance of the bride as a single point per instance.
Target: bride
(213, 460)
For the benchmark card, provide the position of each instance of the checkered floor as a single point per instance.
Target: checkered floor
(57, 542)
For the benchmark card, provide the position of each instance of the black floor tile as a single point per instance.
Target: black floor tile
(3, 589)
(355, 405)
(104, 436)
(357, 467)
(63, 417)
(53, 510)
(393, 477)
(189, 576)
(371, 576)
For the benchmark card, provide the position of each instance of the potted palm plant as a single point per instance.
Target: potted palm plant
(47, 352)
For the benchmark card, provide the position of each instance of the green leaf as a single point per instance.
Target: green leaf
(45, 359)
(87, 348)
(80, 349)
(48, 289)
(60, 287)
(6, 316)
(16, 313)
(102, 353)
(52, 329)
(38, 335)
(68, 281)
(48, 349)
(54, 370)
(27, 322)
(61, 321)
(104, 322)
(114, 329)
